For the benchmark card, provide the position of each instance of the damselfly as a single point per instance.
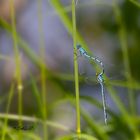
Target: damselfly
(99, 76)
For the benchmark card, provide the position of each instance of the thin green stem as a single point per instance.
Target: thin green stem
(66, 21)
(18, 67)
(7, 110)
(76, 69)
(124, 45)
(42, 56)
(42, 68)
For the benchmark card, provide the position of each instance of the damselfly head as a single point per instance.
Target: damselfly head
(78, 46)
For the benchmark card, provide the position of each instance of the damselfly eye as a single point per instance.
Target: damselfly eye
(78, 46)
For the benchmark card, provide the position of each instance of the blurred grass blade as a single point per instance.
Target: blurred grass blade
(124, 47)
(98, 130)
(75, 137)
(136, 3)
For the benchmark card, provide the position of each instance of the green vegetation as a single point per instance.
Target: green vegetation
(124, 125)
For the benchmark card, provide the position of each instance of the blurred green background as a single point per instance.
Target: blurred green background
(37, 86)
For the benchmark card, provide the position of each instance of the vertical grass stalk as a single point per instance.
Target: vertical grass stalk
(11, 93)
(18, 66)
(123, 42)
(76, 69)
(42, 67)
